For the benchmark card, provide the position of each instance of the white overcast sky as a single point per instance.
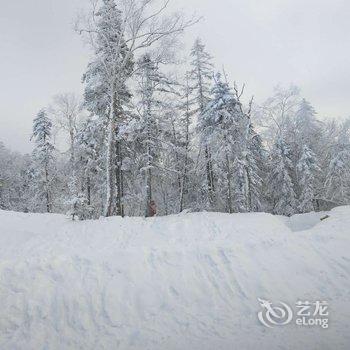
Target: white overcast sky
(260, 42)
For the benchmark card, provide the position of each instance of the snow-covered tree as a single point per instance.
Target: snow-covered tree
(201, 75)
(281, 187)
(276, 116)
(153, 85)
(66, 109)
(219, 128)
(14, 180)
(90, 143)
(116, 33)
(337, 184)
(236, 148)
(307, 169)
(308, 128)
(105, 81)
(336, 162)
(185, 145)
(43, 160)
(256, 157)
(228, 132)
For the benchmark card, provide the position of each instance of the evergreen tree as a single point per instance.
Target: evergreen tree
(221, 128)
(256, 169)
(281, 187)
(337, 184)
(90, 164)
(115, 37)
(201, 77)
(307, 168)
(43, 159)
(186, 146)
(307, 127)
(152, 84)
(236, 148)
(106, 87)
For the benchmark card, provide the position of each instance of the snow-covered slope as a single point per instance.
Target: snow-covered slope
(182, 282)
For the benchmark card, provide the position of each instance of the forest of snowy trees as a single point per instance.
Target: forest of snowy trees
(152, 127)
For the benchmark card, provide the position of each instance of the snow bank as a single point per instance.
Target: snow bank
(184, 282)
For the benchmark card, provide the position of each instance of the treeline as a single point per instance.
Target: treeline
(143, 135)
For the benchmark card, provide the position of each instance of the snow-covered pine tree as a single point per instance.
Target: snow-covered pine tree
(222, 131)
(105, 84)
(186, 146)
(307, 168)
(337, 184)
(201, 75)
(281, 187)
(15, 184)
(253, 158)
(236, 148)
(256, 169)
(115, 37)
(308, 128)
(43, 160)
(150, 129)
(90, 140)
(304, 130)
(172, 158)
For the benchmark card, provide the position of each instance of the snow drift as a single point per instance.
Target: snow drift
(189, 281)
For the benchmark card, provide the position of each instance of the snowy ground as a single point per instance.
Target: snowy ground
(186, 282)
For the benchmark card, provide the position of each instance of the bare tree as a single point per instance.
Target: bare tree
(275, 113)
(67, 108)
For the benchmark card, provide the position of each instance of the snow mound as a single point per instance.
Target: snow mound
(302, 222)
(189, 281)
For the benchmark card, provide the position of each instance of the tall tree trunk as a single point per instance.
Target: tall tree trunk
(47, 194)
(184, 174)
(72, 147)
(119, 179)
(210, 179)
(122, 192)
(187, 146)
(165, 198)
(211, 173)
(88, 189)
(149, 162)
(148, 182)
(183, 185)
(110, 208)
(209, 165)
(177, 166)
(249, 189)
(148, 191)
(229, 190)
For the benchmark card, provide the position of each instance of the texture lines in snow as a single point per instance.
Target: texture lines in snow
(179, 282)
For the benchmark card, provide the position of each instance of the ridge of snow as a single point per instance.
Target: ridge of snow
(187, 281)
